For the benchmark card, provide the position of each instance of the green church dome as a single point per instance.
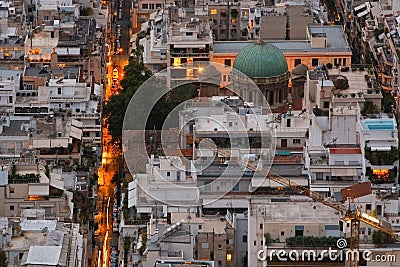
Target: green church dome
(261, 60)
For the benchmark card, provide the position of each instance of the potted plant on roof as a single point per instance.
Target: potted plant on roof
(360, 94)
(353, 95)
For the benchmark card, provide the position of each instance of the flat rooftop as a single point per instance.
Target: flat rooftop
(334, 34)
(298, 212)
(38, 225)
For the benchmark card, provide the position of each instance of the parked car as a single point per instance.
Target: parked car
(115, 228)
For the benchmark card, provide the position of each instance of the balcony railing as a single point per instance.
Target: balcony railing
(189, 54)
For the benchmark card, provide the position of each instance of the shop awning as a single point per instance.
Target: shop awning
(320, 189)
(344, 172)
(189, 46)
(381, 148)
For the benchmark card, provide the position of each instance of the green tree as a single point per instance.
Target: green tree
(388, 102)
(135, 75)
(86, 11)
(114, 109)
(3, 259)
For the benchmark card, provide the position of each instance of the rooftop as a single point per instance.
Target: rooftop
(345, 151)
(334, 34)
(44, 255)
(38, 225)
(298, 212)
(15, 128)
(260, 60)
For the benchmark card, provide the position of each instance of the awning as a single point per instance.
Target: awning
(38, 190)
(320, 170)
(189, 46)
(41, 143)
(47, 205)
(143, 209)
(344, 172)
(382, 148)
(283, 152)
(60, 142)
(27, 205)
(320, 189)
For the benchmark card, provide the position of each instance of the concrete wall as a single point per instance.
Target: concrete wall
(273, 27)
(240, 222)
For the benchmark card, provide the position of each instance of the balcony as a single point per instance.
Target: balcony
(189, 55)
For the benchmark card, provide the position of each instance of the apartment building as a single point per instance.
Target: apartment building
(25, 185)
(37, 241)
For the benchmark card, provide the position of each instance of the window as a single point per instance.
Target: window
(205, 245)
(368, 206)
(29, 87)
(344, 62)
(59, 90)
(207, 186)
(219, 246)
(46, 18)
(298, 230)
(228, 257)
(339, 162)
(158, 5)
(168, 174)
(297, 61)
(379, 210)
(326, 104)
(189, 33)
(283, 142)
(314, 62)
(261, 225)
(213, 11)
(200, 226)
(219, 263)
(145, 6)
(282, 233)
(11, 189)
(296, 141)
(255, 243)
(228, 62)
(369, 231)
(319, 175)
(236, 188)
(244, 239)
(224, 78)
(11, 207)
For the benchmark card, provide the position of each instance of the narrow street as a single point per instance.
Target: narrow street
(109, 164)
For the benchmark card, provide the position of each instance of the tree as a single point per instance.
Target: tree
(86, 11)
(135, 75)
(268, 238)
(3, 259)
(114, 109)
